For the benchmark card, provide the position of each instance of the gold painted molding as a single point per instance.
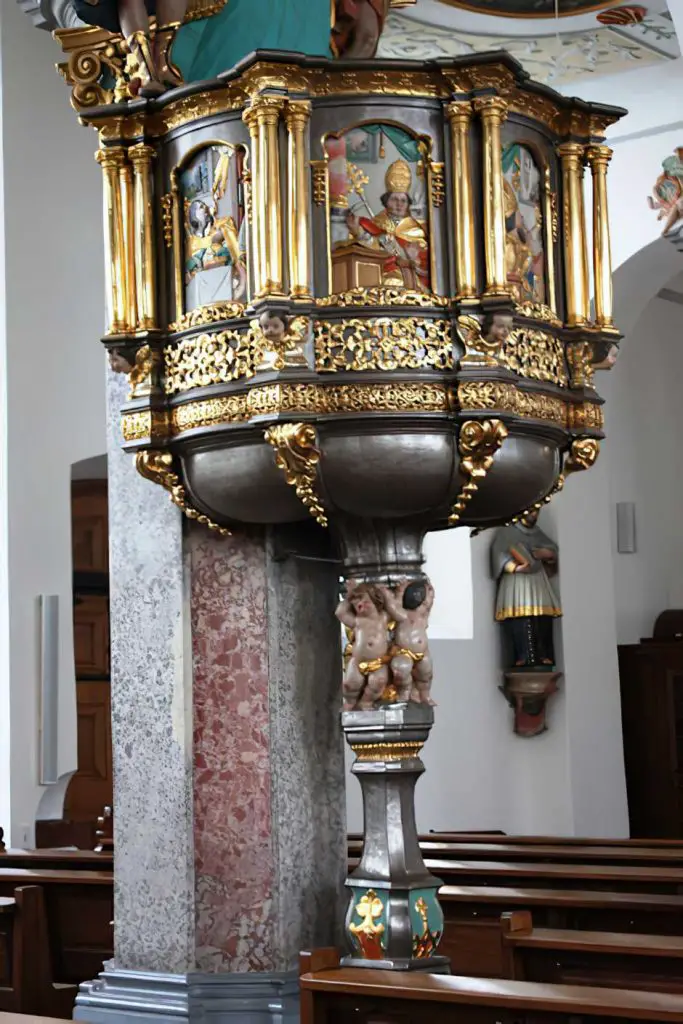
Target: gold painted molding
(478, 442)
(297, 454)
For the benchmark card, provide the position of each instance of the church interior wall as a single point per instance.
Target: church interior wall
(54, 400)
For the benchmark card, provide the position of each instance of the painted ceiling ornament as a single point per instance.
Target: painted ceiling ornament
(628, 14)
(667, 194)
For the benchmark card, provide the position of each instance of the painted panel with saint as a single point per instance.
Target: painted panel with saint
(215, 228)
(378, 209)
(524, 246)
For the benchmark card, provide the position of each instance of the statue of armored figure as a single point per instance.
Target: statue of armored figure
(388, 642)
(523, 561)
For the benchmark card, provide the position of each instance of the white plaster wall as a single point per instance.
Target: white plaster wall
(54, 378)
(5, 799)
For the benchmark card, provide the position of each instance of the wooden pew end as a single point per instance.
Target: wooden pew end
(324, 959)
(516, 922)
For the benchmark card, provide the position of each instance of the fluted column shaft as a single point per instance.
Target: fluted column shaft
(599, 158)
(574, 231)
(460, 118)
(493, 111)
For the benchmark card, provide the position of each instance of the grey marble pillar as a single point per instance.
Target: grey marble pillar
(230, 829)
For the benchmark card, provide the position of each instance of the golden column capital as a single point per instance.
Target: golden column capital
(297, 114)
(268, 109)
(491, 108)
(111, 157)
(459, 113)
(493, 111)
(599, 157)
(141, 155)
(572, 153)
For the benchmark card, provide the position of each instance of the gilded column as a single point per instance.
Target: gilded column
(128, 212)
(574, 230)
(297, 116)
(550, 232)
(493, 111)
(258, 247)
(599, 158)
(460, 117)
(267, 194)
(141, 157)
(111, 160)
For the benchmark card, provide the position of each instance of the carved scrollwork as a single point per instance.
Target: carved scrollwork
(383, 344)
(297, 455)
(207, 315)
(536, 354)
(209, 359)
(381, 297)
(157, 466)
(478, 442)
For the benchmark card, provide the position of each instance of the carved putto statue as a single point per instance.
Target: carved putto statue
(357, 27)
(667, 194)
(524, 560)
(388, 653)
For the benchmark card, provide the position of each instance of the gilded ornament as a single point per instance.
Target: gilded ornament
(506, 397)
(438, 182)
(580, 359)
(157, 466)
(209, 359)
(320, 182)
(167, 218)
(582, 455)
(96, 52)
(536, 354)
(316, 399)
(297, 455)
(537, 311)
(383, 343)
(207, 315)
(480, 350)
(585, 416)
(537, 506)
(400, 751)
(382, 296)
(152, 423)
(478, 442)
(142, 377)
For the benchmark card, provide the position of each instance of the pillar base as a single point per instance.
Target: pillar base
(147, 997)
(527, 692)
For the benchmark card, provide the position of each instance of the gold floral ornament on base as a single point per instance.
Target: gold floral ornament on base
(157, 466)
(297, 455)
(478, 442)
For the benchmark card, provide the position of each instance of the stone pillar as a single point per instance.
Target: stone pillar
(228, 764)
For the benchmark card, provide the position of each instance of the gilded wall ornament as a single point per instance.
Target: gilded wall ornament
(279, 340)
(209, 359)
(509, 398)
(383, 343)
(381, 296)
(483, 343)
(478, 442)
(204, 315)
(157, 466)
(536, 354)
(146, 423)
(538, 311)
(143, 376)
(438, 182)
(580, 359)
(297, 455)
(293, 399)
(320, 186)
(167, 218)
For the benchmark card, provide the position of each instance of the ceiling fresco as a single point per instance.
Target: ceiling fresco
(557, 52)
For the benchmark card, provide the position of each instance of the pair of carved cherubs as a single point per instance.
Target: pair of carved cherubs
(389, 643)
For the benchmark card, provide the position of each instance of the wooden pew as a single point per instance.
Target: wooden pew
(334, 995)
(57, 860)
(651, 963)
(20, 1018)
(472, 918)
(609, 877)
(79, 910)
(488, 837)
(26, 983)
(637, 855)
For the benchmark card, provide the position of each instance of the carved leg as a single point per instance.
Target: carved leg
(374, 687)
(352, 686)
(402, 672)
(170, 15)
(422, 682)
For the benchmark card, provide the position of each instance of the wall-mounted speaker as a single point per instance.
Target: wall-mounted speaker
(626, 527)
(49, 688)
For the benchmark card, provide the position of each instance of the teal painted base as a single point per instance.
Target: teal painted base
(208, 47)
